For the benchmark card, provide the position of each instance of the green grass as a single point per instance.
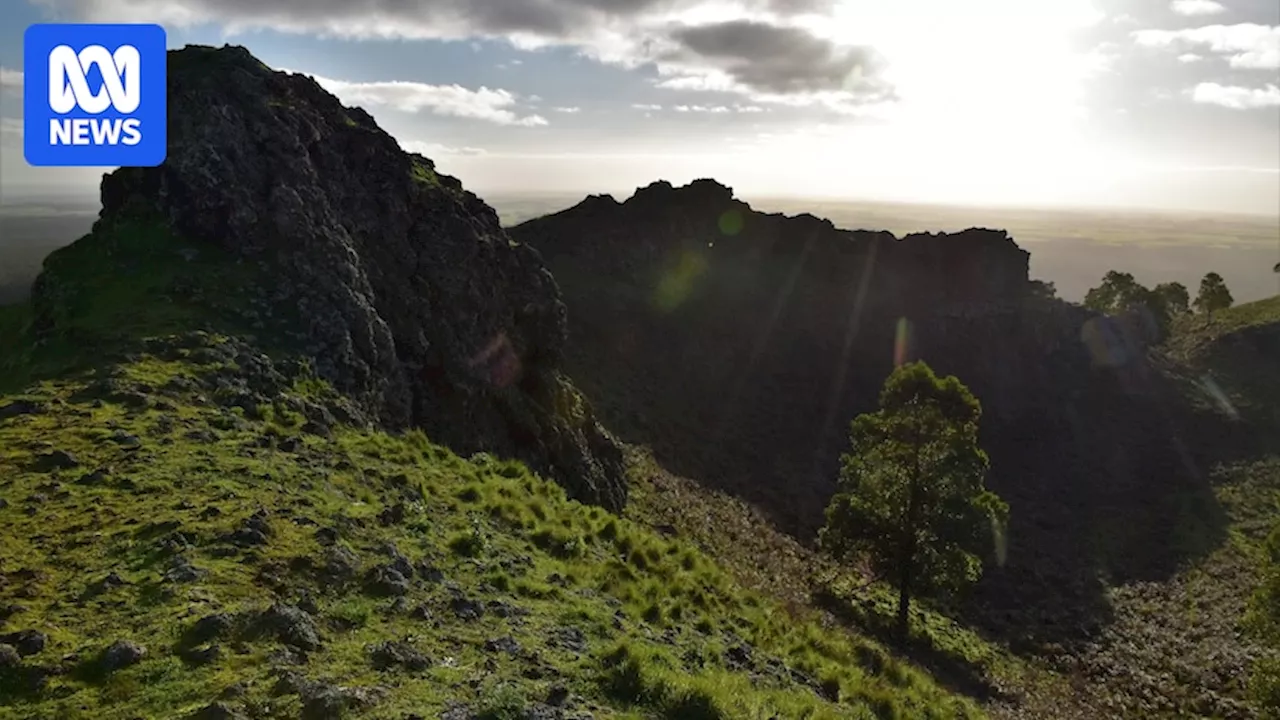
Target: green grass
(167, 470)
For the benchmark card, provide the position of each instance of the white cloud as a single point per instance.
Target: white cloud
(749, 108)
(714, 109)
(10, 78)
(1247, 45)
(1267, 58)
(642, 106)
(568, 110)
(453, 100)
(432, 150)
(1197, 7)
(1235, 97)
(1189, 58)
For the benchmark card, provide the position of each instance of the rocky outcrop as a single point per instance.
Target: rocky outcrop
(411, 298)
(739, 345)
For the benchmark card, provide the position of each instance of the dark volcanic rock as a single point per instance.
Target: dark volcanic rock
(739, 344)
(121, 654)
(26, 642)
(415, 302)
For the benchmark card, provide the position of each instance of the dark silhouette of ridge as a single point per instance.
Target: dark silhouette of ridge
(740, 344)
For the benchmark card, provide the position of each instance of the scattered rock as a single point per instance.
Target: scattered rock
(340, 565)
(386, 581)
(399, 562)
(558, 695)
(290, 625)
(256, 531)
(289, 683)
(9, 657)
(210, 627)
(8, 611)
(122, 654)
(321, 701)
(201, 435)
(393, 515)
(507, 610)
(392, 654)
(125, 440)
(430, 573)
(56, 460)
(202, 655)
(175, 543)
(182, 571)
(738, 658)
(506, 644)
(20, 407)
(97, 477)
(467, 609)
(26, 642)
(570, 638)
(105, 585)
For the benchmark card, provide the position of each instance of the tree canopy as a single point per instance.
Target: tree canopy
(1213, 295)
(1120, 293)
(911, 495)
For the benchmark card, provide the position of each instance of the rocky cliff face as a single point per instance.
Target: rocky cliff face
(740, 344)
(412, 299)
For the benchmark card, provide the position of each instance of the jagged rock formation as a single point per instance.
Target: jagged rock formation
(413, 300)
(740, 344)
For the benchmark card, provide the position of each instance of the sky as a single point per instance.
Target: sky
(1123, 103)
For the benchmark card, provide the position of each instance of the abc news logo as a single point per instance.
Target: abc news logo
(94, 95)
(69, 89)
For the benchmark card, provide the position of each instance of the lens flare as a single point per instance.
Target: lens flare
(731, 222)
(902, 342)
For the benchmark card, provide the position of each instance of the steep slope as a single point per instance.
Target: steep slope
(217, 498)
(739, 344)
(407, 293)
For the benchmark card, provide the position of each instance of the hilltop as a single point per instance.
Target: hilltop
(288, 435)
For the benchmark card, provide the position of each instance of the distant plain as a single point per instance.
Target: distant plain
(1071, 248)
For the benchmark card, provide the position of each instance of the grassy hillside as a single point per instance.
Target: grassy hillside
(192, 524)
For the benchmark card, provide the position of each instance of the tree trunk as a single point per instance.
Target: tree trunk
(904, 604)
(906, 564)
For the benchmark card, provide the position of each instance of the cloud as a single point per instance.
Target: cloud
(714, 109)
(10, 78)
(1235, 97)
(747, 46)
(453, 100)
(766, 60)
(568, 110)
(1197, 7)
(1189, 58)
(642, 106)
(1247, 46)
(436, 149)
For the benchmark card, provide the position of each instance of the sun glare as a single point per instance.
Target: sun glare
(985, 89)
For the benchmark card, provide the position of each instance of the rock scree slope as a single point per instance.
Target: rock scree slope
(414, 301)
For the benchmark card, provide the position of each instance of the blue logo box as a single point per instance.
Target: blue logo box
(94, 95)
